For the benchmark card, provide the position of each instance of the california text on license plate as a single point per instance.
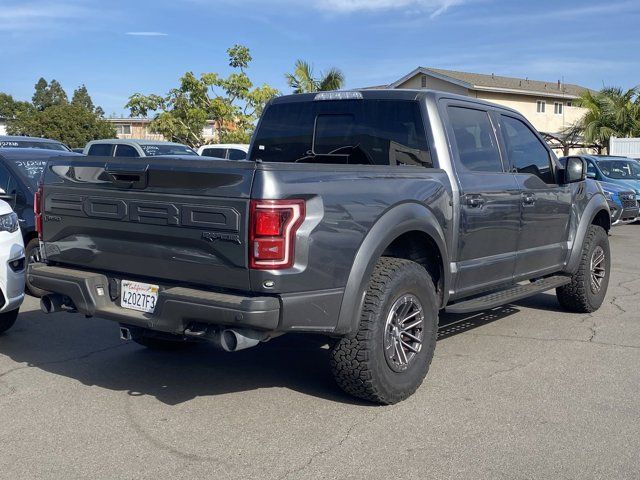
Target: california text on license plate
(138, 296)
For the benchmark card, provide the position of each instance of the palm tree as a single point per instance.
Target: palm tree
(611, 112)
(303, 81)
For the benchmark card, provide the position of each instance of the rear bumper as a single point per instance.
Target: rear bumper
(177, 307)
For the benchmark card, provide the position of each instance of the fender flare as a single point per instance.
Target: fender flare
(398, 220)
(596, 204)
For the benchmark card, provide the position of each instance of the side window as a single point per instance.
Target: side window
(526, 152)
(126, 151)
(100, 149)
(214, 152)
(475, 139)
(5, 176)
(235, 154)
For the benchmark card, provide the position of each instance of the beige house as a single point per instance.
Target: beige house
(547, 105)
(138, 128)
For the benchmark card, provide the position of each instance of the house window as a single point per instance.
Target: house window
(123, 128)
(423, 79)
(557, 108)
(541, 106)
(569, 104)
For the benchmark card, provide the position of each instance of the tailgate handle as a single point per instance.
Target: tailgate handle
(128, 179)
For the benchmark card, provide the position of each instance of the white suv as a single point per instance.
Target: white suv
(227, 151)
(12, 267)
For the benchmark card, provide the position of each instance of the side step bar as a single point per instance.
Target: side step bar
(509, 295)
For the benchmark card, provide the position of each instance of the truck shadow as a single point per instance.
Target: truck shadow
(90, 351)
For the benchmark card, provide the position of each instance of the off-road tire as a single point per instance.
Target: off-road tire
(7, 319)
(33, 244)
(359, 364)
(578, 296)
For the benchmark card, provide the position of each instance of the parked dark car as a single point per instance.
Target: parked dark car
(17, 141)
(622, 202)
(358, 215)
(20, 171)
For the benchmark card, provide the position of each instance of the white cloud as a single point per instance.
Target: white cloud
(23, 15)
(147, 34)
(434, 7)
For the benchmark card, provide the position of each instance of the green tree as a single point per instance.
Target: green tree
(232, 102)
(611, 112)
(9, 107)
(48, 94)
(70, 124)
(302, 79)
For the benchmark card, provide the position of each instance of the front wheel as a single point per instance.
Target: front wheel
(7, 319)
(588, 287)
(390, 355)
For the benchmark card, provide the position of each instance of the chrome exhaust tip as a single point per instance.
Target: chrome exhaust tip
(125, 334)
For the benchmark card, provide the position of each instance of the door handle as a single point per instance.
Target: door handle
(528, 199)
(474, 201)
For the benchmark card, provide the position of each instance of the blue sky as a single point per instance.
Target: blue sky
(120, 47)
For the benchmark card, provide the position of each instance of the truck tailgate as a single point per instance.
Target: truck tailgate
(166, 219)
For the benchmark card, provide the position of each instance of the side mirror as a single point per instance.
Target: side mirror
(575, 170)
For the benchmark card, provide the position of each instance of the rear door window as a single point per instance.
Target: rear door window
(214, 152)
(525, 150)
(475, 139)
(364, 131)
(126, 151)
(100, 149)
(236, 154)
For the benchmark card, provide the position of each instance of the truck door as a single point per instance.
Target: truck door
(489, 219)
(546, 205)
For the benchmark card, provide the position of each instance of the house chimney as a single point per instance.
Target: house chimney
(559, 84)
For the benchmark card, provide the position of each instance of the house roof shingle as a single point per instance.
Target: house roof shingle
(479, 81)
(511, 83)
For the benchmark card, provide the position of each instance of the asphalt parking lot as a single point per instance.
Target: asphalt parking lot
(524, 391)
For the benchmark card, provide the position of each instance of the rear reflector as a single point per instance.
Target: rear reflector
(37, 210)
(272, 233)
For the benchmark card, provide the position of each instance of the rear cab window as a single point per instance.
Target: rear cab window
(360, 131)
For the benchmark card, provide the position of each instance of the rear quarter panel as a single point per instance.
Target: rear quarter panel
(343, 203)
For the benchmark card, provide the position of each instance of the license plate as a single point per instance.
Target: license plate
(138, 296)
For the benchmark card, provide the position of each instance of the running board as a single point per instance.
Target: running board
(509, 295)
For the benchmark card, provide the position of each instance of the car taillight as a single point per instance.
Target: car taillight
(37, 210)
(272, 232)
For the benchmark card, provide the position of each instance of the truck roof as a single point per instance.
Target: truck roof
(133, 141)
(389, 94)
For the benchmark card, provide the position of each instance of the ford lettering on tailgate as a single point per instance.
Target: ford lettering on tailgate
(142, 211)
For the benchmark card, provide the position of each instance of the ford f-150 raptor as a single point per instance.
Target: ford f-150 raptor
(359, 215)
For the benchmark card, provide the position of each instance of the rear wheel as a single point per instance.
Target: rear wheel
(589, 284)
(7, 320)
(390, 355)
(32, 252)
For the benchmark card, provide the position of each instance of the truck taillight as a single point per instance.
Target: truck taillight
(37, 210)
(272, 232)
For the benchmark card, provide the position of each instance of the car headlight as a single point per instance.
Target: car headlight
(9, 222)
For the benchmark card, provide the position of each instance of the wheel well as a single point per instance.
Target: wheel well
(419, 247)
(30, 236)
(603, 219)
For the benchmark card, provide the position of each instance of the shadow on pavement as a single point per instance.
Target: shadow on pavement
(89, 351)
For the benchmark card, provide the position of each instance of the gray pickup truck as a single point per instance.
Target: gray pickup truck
(359, 215)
